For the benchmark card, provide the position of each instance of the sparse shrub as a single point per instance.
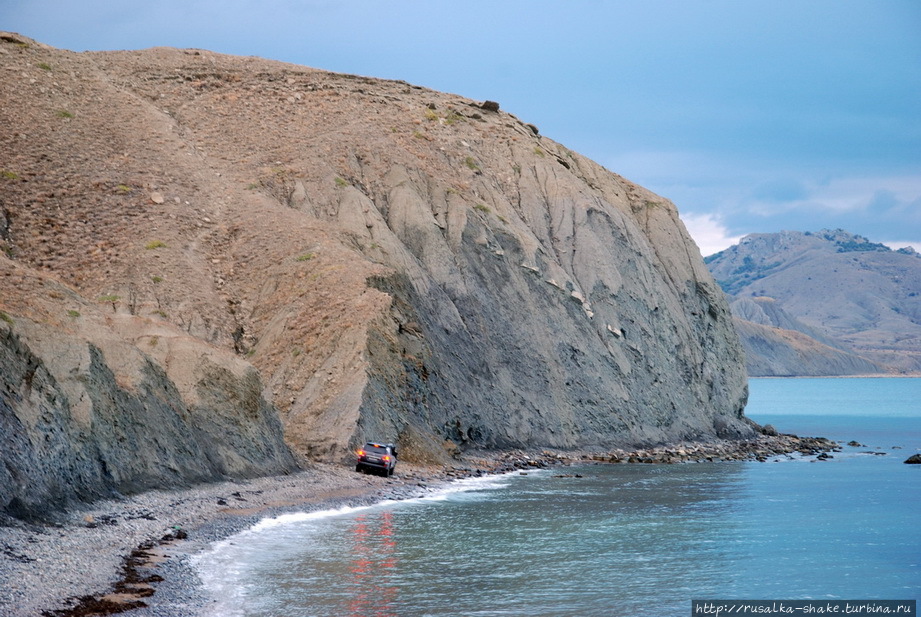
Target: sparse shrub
(9, 175)
(123, 188)
(44, 66)
(539, 152)
(73, 314)
(482, 208)
(341, 181)
(471, 163)
(861, 244)
(430, 115)
(63, 113)
(110, 299)
(305, 257)
(156, 279)
(6, 318)
(453, 117)
(155, 244)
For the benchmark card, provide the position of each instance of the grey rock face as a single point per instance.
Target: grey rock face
(72, 429)
(563, 315)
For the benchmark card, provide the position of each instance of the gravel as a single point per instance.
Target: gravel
(45, 569)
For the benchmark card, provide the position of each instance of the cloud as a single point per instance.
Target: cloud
(884, 199)
(746, 195)
(780, 191)
(709, 233)
(901, 245)
(891, 198)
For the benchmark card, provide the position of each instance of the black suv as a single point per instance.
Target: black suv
(378, 457)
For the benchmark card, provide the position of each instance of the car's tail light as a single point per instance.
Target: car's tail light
(386, 457)
(361, 453)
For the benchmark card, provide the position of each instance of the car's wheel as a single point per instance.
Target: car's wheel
(359, 467)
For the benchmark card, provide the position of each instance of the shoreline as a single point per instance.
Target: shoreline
(860, 376)
(132, 555)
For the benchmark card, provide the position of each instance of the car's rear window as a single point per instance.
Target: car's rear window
(375, 450)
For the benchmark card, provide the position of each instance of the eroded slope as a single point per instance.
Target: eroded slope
(397, 263)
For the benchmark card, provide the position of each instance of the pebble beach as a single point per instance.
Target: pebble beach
(133, 553)
(114, 554)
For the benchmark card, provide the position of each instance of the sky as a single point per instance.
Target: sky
(752, 116)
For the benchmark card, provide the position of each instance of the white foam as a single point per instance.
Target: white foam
(443, 492)
(222, 568)
(300, 517)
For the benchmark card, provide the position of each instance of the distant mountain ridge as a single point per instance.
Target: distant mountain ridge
(853, 304)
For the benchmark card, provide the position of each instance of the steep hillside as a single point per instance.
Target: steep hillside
(843, 291)
(392, 262)
(777, 352)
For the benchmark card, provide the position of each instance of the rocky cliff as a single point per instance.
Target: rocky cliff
(823, 303)
(95, 405)
(230, 240)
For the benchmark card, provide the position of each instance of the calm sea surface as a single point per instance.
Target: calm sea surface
(624, 540)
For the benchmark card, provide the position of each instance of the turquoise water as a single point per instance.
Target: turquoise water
(624, 540)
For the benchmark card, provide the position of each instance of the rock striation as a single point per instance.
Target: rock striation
(203, 252)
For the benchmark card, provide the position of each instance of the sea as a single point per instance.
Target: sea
(630, 540)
